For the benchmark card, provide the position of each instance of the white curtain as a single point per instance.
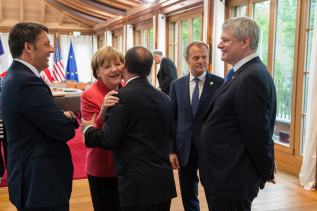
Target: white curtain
(219, 15)
(161, 43)
(51, 59)
(129, 36)
(108, 36)
(84, 48)
(6, 49)
(308, 172)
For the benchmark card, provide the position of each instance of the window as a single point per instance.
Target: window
(173, 42)
(278, 50)
(196, 22)
(141, 37)
(283, 67)
(118, 41)
(261, 15)
(239, 10)
(144, 37)
(183, 29)
(184, 43)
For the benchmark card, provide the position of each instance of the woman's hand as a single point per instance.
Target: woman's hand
(108, 101)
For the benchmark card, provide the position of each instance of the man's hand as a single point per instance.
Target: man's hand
(273, 180)
(108, 101)
(69, 114)
(174, 161)
(86, 123)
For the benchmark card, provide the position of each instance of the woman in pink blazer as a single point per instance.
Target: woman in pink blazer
(102, 180)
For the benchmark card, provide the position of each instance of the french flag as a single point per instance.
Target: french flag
(3, 61)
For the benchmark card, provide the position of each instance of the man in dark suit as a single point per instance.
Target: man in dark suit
(3, 139)
(237, 150)
(40, 168)
(167, 72)
(188, 118)
(138, 129)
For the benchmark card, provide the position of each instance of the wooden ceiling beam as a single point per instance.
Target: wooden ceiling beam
(1, 14)
(61, 19)
(74, 13)
(21, 10)
(86, 9)
(183, 5)
(78, 20)
(142, 18)
(130, 2)
(102, 7)
(42, 18)
(117, 4)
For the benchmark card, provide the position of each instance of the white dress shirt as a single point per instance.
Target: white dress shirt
(244, 60)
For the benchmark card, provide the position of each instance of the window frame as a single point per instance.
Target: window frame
(294, 144)
(189, 15)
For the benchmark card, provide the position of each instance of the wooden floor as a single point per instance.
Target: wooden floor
(286, 195)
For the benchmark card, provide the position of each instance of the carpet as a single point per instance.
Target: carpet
(78, 151)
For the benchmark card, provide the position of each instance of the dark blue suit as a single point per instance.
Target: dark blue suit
(237, 150)
(40, 167)
(188, 133)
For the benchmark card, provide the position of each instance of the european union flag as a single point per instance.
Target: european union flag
(71, 70)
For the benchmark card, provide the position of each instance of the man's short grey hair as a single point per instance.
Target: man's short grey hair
(157, 52)
(196, 43)
(244, 27)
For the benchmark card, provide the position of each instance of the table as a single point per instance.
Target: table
(68, 99)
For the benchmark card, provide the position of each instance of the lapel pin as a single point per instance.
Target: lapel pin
(211, 83)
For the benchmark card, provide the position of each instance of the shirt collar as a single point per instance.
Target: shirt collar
(34, 70)
(244, 60)
(201, 77)
(132, 79)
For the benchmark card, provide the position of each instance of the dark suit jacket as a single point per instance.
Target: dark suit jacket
(167, 74)
(237, 150)
(188, 127)
(40, 168)
(139, 129)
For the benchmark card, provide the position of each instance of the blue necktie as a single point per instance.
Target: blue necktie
(195, 97)
(230, 73)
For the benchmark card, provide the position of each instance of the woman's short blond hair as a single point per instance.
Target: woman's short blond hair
(104, 54)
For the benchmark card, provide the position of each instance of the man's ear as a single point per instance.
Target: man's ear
(246, 42)
(28, 47)
(186, 58)
(124, 64)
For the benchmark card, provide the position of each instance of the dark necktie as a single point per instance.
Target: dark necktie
(230, 73)
(195, 97)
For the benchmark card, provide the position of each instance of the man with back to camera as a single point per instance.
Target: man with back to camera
(237, 150)
(40, 168)
(190, 96)
(138, 129)
(167, 72)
